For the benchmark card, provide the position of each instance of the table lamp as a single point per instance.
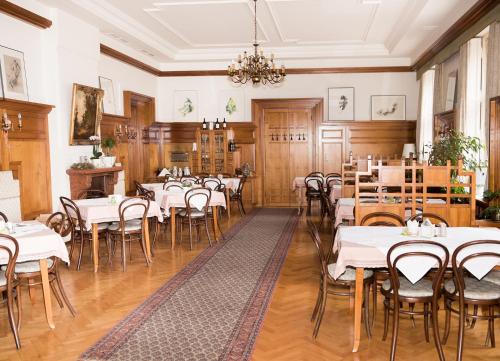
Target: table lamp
(409, 150)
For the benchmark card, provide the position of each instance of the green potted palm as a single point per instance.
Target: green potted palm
(493, 210)
(107, 145)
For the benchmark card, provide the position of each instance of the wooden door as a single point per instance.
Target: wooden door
(277, 150)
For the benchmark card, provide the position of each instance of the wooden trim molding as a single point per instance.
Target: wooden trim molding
(115, 54)
(475, 13)
(23, 14)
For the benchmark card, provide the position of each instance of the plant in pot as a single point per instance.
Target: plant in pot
(109, 159)
(95, 159)
(493, 210)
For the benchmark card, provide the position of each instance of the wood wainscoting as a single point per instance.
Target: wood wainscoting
(27, 153)
(494, 149)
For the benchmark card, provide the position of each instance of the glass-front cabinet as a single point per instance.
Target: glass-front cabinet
(212, 155)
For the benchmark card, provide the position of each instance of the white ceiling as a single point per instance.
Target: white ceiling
(196, 33)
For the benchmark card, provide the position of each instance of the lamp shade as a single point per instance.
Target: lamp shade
(407, 149)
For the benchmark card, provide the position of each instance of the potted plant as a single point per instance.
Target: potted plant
(95, 159)
(493, 210)
(108, 144)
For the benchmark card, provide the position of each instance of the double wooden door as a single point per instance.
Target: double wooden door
(289, 152)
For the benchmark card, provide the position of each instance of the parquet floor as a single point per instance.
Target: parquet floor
(103, 299)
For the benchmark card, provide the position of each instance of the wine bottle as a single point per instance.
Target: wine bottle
(217, 124)
(204, 125)
(224, 124)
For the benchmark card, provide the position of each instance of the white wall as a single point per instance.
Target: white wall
(294, 86)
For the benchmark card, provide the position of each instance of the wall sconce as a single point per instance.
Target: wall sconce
(131, 133)
(7, 123)
(118, 131)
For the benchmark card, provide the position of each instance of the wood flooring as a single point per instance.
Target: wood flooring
(104, 298)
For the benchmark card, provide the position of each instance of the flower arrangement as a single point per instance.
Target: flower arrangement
(108, 144)
(96, 141)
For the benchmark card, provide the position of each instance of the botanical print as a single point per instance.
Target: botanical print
(86, 113)
(388, 107)
(232, 105)
(341, 104)
(13, 74)
(186, 105)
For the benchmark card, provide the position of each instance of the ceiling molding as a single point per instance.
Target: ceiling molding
(23, 14)
(106, 50)
(476, 12)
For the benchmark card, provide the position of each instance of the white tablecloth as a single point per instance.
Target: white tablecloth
(368, 247)
(101, 210)
(36, 241)
(176, 199)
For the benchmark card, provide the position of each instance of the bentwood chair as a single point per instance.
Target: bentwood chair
(3, 217)
(211, 183)
(29, 272)
(167, 184)
(189, 178)
(469, 291)
(238, 196)
(195, 214)
(133, 213)
(341, 286)
(313, 185)
(10, 283)
(331, 180)
(434, 218)
(427, 292)
(79, 231)
(91, 194)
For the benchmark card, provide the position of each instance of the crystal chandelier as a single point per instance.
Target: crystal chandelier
(256, 67)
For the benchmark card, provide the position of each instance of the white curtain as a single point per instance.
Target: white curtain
(438, 89)
(493, 71)
(425, 118)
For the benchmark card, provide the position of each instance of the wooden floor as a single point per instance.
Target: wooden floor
(105, 298)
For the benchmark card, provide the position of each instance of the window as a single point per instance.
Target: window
(426, 119)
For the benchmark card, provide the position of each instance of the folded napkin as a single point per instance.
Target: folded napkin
(412, 227)
(164, 172)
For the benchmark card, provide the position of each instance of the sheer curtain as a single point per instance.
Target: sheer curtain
(425, 113)
(438, 89)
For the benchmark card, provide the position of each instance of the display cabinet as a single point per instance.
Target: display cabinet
(212, 155)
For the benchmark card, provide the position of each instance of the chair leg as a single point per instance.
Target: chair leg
(411, 307)
(491, 324)
(435, 329)
(208, 233)
(395, 329)
(426, 321)
(318, 303)
(10, 311)
(63, 293)
(190, 235)
(374, 295)
(72, 246)
(124, 256)
(56, 294)
(473, 320)
(309, 200)
(321, 311)
(386, 318)
(82, 241)
(367, 309)
(240, 201)
(447, 305)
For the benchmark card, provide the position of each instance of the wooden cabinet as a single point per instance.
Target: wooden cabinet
(212, 155)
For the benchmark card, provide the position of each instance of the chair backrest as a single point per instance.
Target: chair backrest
(382, 219)
(9, 247)
(202, 175)
(316, 173)
(431, 216)
(332, 179)
(133, 208)
(467, 252)
(220, 188)
(211, 183)
(239, 190)
(91, 194)
(174, 187)
(313, 184)
(313, 231)
(414, 249)
(73, 214)
(3, 217)
(59, 223)
(197, 198)
(328, 202)
(170, 183)
(190, 178)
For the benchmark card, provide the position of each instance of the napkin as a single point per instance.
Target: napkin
(164, 172)
(412, 227)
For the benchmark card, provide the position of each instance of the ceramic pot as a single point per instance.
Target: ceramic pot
(109, 161)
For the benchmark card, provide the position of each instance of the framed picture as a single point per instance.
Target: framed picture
(86, 114)
(443, 123)
(232, 105)
(13, 74)
(108, 102)
(388, 107)
(340, 103)
(186, 105)
(451, 91)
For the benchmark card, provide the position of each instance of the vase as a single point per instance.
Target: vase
(96, 162)
(108, 161)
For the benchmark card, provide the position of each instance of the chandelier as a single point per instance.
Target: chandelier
(256, 67)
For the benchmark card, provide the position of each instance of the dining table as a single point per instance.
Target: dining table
(105, 210)
(299, 186)
(37, 242)
(360, 247)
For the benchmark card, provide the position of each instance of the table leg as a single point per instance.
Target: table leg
(358, 303)
(300, 199)
(95, 245)
(46, 292)
(172, 226)
(147, 240)
(216, 221)
(228, 203)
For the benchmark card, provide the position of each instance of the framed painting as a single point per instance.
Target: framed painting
(13, 74)
(443, 123)
(341, 103)
(108, 101)
(186, 105)
(86, 114)
(388, 107)
(232, 105)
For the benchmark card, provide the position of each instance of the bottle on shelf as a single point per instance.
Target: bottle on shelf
(224, 124)
(217, 124)
(204, 125)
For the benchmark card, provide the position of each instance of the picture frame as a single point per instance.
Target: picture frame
(442, 124)
(451, 91)
(232, 105)
(186, 105)
(108, 101)
(86, 114)
(13, 79)
(341, 103)
(388, 107)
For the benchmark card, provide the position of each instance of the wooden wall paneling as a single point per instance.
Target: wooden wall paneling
(494, 146)
(331, 150)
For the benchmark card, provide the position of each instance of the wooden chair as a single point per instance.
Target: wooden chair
(227, 175)
(91, 194)
(9, 283)
(3, 217)
(332, 179)
(316, 174)
(469, 291)
(30, 271)
(174, 187)
(426, 292)
(79, 231)
(211, 183)
(190, 178)
(328, 284)
(431, 216)
(167, 184)
(313, 185)
(129, 228)
(238, 196)
(193, 216)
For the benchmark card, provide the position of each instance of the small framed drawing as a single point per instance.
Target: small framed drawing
(341, 103)
(388, 107)
(186, 105)
(232, 105)
(86, 114)
(13, 74)
(108, 101)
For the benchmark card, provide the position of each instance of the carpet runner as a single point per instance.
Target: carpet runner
(214, 307)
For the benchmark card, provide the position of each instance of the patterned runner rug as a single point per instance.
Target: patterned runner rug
(214, 307)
